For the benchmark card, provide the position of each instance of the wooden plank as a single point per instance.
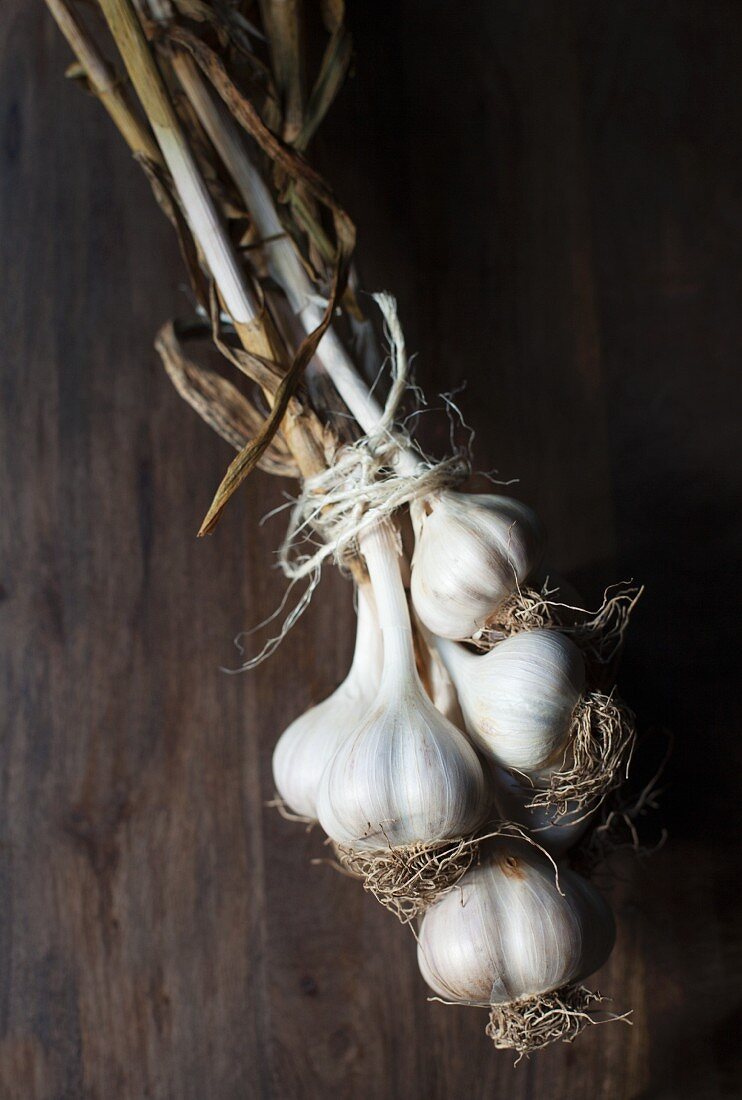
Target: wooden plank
(553, 191)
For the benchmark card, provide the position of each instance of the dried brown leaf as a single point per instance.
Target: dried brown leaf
(248, 458)
(333, 13)
(219, 403)
(330, 80)
(282, 19)
(259, 370)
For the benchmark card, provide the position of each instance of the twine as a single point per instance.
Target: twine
(366, 482)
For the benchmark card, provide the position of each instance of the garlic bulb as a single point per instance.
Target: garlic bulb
(554, 832)
(405, 775)
(519, 698)
(471, 553)
(306, 747)
(506, 933)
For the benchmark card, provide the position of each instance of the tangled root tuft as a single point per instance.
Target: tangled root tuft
(406, 879)
(531, 1024)
(597, 759)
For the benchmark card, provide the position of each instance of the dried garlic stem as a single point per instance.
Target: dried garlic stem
(103, 81)
(220, 404)
(285, 264)
(282, 20)
(201, 212)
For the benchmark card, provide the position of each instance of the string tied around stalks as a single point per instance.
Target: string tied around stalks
(368, 480)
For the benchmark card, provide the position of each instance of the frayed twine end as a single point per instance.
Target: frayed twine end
(363, 485)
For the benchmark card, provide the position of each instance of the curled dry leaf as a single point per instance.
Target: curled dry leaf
(219, 403)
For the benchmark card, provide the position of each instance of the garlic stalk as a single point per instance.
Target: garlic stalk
(435, 676)
(472, 551)
(406, 780)
(305, 748)
(518, 699)
(104, 82)
(512, 936)
(201, 212)
(283, 260)
(207, 227)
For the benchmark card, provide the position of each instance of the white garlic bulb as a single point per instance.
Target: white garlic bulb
(471, 552)
(519, 698)
(506, 933)
(405, 775)
(306, 747)
(554, 832)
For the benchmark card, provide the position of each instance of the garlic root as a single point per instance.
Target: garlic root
(533, 1023)
(599, 634)
(407, 879)
(600, 747)
(513, 798)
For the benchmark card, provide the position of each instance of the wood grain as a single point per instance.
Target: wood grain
(553, 191)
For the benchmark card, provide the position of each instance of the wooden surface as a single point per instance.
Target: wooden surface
(554, 192)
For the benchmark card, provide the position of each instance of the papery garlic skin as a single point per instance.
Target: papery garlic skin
(441, 689)
(512, 795)
(405, 775)
(305, 748)
(506, 933)
(471, 553)
(519, 698)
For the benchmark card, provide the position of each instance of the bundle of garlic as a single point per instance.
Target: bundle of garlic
(476, 699)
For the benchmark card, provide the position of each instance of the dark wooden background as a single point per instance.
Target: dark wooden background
(554, 191)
